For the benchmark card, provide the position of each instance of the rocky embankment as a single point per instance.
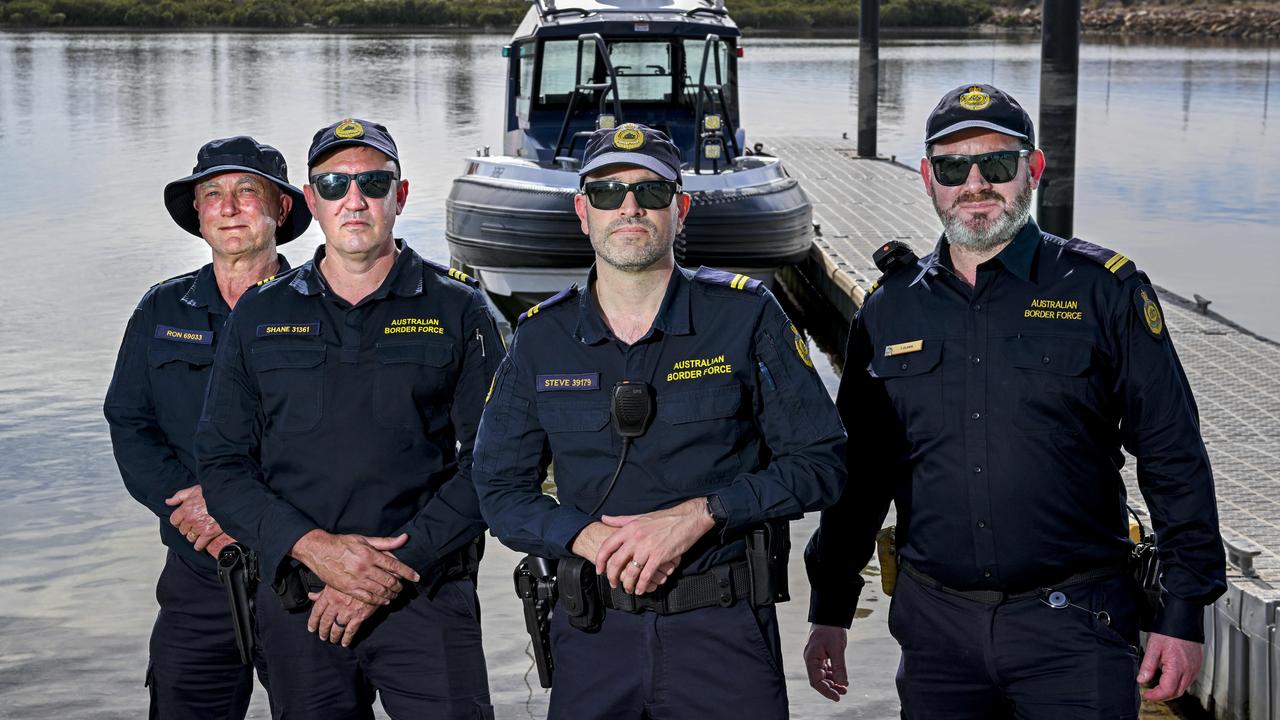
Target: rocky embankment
(1258, 21)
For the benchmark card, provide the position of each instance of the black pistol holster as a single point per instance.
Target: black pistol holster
(238, 572)
(1144, 566)
(768, 550)
(535, 579)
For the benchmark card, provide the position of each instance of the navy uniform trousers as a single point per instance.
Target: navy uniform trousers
(195, 669)
(709, 663)
(422, 655)
(968, 660)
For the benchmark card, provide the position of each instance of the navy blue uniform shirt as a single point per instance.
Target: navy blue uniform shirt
(740, 413)
(350, 419)
(994, 418)
(154, 401)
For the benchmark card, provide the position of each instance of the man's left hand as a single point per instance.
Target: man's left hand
(1178, 662)
(336, 617)
(192, 517)
(647, 548)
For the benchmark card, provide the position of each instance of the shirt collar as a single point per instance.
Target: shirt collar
(204, 292)
(1018, 257)
(405, 278)
(673, 315)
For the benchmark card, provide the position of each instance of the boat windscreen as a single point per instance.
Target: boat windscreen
(648, 71)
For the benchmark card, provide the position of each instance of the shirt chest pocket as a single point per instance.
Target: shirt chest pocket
(914, 383)
(705, 438)
(291, 381)
(573, 416)
(410, 382)
(182, 360)
(1053, 384)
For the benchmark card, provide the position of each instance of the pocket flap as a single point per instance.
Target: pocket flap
(572, 416)
(198, 355)
(276, 358)
(914, 363)
(706, 404)
(433, 354)
(1060, 356)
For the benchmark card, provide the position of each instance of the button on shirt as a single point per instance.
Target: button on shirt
(994, 417)
(740, 413)
(350, 418)
(157, 390)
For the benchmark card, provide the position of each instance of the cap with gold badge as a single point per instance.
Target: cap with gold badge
(979, 106)
(352, 131)
(632, 144)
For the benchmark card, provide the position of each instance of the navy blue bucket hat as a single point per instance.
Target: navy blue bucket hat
(236, 154)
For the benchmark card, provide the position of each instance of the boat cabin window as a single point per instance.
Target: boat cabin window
(648, 71)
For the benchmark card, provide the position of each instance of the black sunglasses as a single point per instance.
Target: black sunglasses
(373, 184)
(997, 167)
(650, 194)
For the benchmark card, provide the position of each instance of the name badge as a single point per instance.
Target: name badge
(199, 337)
(903, 348)
(288, 329)
(583, 381)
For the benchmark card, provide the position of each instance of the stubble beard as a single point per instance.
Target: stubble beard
(985, 233)
(630, 256)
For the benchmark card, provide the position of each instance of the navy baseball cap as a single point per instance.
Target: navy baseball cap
(632, 144)
(236, 154)
(352, 131)
(979, 106)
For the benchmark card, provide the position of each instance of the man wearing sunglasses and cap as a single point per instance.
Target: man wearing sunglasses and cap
(239, 200)
(988, 391)
(682, 413)
(337, 439)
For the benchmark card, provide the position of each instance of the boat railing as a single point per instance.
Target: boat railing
(711, 103)
(580, 90)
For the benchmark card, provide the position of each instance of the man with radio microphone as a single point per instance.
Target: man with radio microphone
(686, 424)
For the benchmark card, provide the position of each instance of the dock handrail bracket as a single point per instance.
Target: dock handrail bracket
(605, 88)
(1241, 553)
(714, 96)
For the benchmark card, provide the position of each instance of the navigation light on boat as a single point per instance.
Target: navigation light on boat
(506, 51)
(740, 53)
(712, 122)
(606, 122)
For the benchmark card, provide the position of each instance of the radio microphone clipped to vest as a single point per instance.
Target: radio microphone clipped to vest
(631, 408)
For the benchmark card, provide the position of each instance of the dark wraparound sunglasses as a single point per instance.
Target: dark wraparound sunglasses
(373, 184)
(610, 194)
(997, 167)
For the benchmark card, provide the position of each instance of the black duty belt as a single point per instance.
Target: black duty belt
(994, 597)
(722, 585)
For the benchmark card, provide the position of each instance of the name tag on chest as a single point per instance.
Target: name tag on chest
(581, 381)
(904, 348)
(288, 329)
(198, 337)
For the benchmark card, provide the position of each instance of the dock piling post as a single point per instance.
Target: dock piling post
(1059, 83)
(868, 75)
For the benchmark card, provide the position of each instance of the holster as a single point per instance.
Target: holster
(887, 552)
(768, 551)
(1144, 565)
(579, 594)
(535, 580)
(238, 572)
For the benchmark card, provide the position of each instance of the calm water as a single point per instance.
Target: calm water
(1177, 157)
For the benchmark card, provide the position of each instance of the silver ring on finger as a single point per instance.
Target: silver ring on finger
(638, 565)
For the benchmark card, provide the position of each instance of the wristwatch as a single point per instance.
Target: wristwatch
(715, 509)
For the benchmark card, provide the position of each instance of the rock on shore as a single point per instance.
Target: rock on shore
(1245, 21)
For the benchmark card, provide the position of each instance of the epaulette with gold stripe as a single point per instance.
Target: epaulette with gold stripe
(454, 273)
(559, 297)
(1119, 265)
(737, 281)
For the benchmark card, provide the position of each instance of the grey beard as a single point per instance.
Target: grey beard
(989, 233)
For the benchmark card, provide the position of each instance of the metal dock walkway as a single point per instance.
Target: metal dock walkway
(1235, 375)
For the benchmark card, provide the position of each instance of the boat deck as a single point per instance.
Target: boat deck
(1235, 375)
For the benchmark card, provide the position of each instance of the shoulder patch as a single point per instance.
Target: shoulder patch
(737, 281)
(556, 299)
(454, 273)
(1119, 265)
(1144, 302)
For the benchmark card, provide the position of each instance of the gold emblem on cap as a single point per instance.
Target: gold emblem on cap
(348, 129)
(628, 137)
(975, 99)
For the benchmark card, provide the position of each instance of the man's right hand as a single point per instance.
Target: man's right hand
(824, 660)
(362, 567)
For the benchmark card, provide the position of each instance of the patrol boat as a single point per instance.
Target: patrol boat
(577, 65)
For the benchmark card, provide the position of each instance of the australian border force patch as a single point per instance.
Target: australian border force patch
(1144, 301)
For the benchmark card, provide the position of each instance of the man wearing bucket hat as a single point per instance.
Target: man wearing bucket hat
(336, 439)
(669, 523)
(239, 200)
(989, 389)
